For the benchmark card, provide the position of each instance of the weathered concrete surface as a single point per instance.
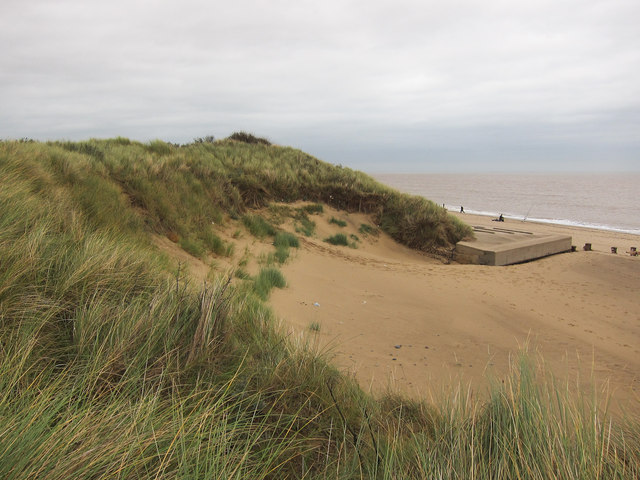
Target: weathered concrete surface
(503, 246)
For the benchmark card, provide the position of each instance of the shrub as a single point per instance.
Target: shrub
(337, 221)
(205, 139)
(248, 138)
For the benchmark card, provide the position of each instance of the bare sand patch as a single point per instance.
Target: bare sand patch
(398, 319)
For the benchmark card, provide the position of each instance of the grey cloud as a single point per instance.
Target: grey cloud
(354, 82)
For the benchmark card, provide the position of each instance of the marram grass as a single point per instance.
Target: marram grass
(184, 191)
(114, 365)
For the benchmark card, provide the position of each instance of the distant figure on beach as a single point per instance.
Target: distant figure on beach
(461, 209)
(499, 219)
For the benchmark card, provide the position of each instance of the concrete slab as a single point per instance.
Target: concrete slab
(503, 246)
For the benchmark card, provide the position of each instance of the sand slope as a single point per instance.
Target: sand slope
(395, 317)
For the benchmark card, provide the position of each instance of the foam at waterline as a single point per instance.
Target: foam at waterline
(552, 221)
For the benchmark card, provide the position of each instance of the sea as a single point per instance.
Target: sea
(606, 201)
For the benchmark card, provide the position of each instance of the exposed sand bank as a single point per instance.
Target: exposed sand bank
(397, 318)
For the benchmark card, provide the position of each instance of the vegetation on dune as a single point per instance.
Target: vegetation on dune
(114, 365)
(258, 226)
(366, 230)
(341, 239)
(184, 190)
(338, 222)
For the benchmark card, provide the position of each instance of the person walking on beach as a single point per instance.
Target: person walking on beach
(461, 209)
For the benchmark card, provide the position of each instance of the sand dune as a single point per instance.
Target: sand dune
(396, 318)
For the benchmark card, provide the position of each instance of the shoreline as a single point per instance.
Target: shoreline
(543, 221)
(602, 201)
(397, 319)
(580, 234)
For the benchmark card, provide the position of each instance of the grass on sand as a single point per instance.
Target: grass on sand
(114, 364)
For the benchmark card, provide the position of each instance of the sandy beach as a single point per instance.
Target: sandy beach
(399, 319)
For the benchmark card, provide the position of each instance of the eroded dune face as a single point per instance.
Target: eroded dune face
(397, 318)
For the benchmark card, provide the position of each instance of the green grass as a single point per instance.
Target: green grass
(267, 279)
(303, 224)
(286, 239)
(283, 241)
(115, 364)
(337, 221)
(258, 226)
(343, 240)
(279, 213)
(281, 255)
(313, 209)
(192, 246)
(338, 239)
(366, 229)
(184, 189)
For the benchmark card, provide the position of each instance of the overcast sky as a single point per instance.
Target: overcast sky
(381, 86)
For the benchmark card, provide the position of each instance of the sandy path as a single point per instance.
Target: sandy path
(396, 318)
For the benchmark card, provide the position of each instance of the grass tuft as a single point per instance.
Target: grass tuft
(338, 239)
(258, 226)
(267, 279)
(366, 229)
(337, 221)
(313, 208)
(286, 239)
(303, 224)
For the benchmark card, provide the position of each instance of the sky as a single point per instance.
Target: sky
(380, 86)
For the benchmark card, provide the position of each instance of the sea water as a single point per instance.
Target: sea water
(604, 201)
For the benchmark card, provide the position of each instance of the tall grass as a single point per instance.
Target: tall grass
(112, 365)
(337, 239)
(258, 226)
(337, 221)
(267, 279)
(184, 191)
(283, 241)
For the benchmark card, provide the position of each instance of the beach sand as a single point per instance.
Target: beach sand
(400, 320)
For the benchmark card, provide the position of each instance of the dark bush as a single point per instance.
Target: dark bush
(248, 138)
